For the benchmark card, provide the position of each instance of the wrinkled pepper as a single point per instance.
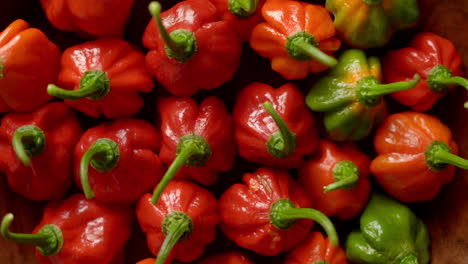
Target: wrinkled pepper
(337, 179)
(103, 77)
(36, 151)
(77, 231)
(233, 257)
(197, 141)
(389, 233)
(190, 48)
(350, 96)
(115, 161)
(297, 37)
(274, 127)
(243, 15)
(435, 59)
(316, 249)
(269, 213)
(103, 18)
(415, 156)
(372, 23)
(28, 62)
(181, 224)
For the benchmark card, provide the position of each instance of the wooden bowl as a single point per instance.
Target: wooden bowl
(446, 216)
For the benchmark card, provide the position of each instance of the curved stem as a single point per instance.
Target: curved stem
(177, 226)
(317, 54)
(155, 11)
(382, 89)
(243, 8)
(93, 84)
(445, 157)
(28, 141)
(345, 174)
(282, 144)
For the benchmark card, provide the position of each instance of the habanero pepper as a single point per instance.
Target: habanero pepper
(115, 161)
(233, 257)
(350, 96)
(372, 23)
(337, 179)
(181, 224)
(28, 62)
(389, 233)
(199, 137)
(36, 151)
(269, 213)
(435, 59)
(243, 15)
(103, 18)
(103, 77)
(77, 231)
(297, 37)
(415, 156)
(274, 127)
(190, 49)
(316, 249)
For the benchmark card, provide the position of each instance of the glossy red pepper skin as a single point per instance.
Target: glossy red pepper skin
(181, 116)
(241, 26)
(233, 257)
(124, 67)
(49, 174)
(217, 55)
(316, 248)
(104, 18)
(244, 210)
(28, 62)
(425, 52)
(318, 172)
(92, 232)
(138, 168)
(186, 197)
(254, 125)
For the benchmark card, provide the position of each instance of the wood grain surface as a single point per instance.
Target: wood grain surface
(446, 216)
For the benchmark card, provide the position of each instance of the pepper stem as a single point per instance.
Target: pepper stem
(346, 176)
(28, 141)
(438, 156)
(177, 226)
(103, 155)
(440, 78)
(410, 259)
(283, 214)
(302, 46)
(93, 85)
(192, 151)
(243, 8)
(282, 143)
(48, 240)
(181, 44)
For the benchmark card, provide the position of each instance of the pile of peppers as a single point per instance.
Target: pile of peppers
(114, 136)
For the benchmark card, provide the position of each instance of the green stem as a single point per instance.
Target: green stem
(283, 215)
(282, 143)
(410, 259)
(243, 8)
(451, 81)
(192, 151)
(48, 240)
(93, 85)
(302, 46)
(438, 156)
(346, 176)
(177, 226)
(317, 54)
(28, 141)
(103, 155)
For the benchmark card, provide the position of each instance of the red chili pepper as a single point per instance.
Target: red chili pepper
(233, 257)
(267, 214)
(77, 231)
(297, 37)
(243, 15)
(416, 154)
(103, 18)
(438, 63)
(35, 151)
(316, 249)
(337, 179)
(190, 48)
(274, 127)
(199, 137)
(115, 161)
(28, 62)
(181, 224)
(103, 77)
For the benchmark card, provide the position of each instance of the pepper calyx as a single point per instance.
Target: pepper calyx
(94, 85)
(243, 9)
(28, 141)
(177, 227)
(439, 157)
(346, 176)
(275, 214)
(303, 46)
